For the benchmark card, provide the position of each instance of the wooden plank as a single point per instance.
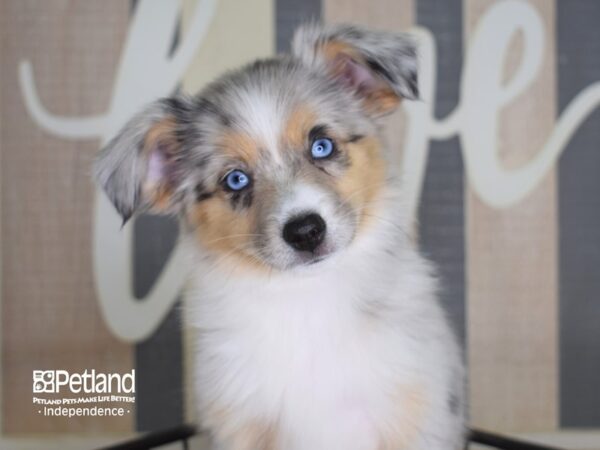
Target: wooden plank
(240, 32)
(578, 38)
(289, 14)
(392, 15)
(441, 209)
(50, 317)
(512, 265)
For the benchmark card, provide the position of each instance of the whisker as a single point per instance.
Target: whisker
(395, 225)
(361, 190)
(233, 236)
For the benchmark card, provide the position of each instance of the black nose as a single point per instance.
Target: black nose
(305, 232)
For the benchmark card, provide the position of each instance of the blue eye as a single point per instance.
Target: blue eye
(322, 148)
(236, 180)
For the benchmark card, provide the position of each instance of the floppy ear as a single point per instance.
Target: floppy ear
(138, 168)
(379, 67)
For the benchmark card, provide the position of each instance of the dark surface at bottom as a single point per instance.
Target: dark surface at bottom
(185, 432)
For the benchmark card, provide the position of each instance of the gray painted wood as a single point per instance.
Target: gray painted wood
(578, 46)
(288, 15)
(441, 213)
(159, 359)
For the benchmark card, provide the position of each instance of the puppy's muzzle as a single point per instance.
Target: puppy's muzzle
(305, 232)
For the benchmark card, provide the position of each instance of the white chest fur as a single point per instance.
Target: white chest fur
(353, 353)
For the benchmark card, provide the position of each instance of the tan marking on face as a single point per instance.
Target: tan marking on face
(226, 232)
(221, 229)
(378, 99)
(160, 137)
(408, 418)
(239, 146)
(297, 127)
(363, 180)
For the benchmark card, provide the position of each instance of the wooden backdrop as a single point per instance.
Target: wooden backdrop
(522, 282)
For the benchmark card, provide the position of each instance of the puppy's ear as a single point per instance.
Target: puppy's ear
(379, 67)
(138, 169)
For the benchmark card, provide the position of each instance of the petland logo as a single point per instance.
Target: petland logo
(88, 382)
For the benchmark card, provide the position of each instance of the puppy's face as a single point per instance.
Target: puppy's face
(276, 165)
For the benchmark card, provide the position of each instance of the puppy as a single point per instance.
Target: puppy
(318, 323)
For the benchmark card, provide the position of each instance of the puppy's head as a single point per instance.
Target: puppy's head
(277, 164)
